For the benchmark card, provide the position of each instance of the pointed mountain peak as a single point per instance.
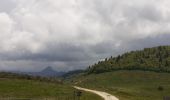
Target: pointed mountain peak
(48, 69)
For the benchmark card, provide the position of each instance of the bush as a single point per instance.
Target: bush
(160, 88)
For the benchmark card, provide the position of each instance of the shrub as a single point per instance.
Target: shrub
(160, 88)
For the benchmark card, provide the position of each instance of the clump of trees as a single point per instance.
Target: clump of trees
(150, 59)
(9, 75)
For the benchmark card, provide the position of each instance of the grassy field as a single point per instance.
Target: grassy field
(36, 90)
(129, 85)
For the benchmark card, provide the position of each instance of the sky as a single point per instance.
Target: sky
(73, 34)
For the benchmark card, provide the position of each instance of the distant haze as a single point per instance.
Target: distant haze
(72, 34)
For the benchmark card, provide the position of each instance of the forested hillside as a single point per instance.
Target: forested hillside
(150, 59)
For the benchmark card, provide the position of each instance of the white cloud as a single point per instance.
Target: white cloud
(6, 29)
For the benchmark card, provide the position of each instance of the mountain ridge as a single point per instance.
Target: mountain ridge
(46, 72)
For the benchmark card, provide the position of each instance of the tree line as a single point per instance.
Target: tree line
(149, 59)
(9, 75)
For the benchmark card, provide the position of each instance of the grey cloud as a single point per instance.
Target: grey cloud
(7, 5)
(146, 12)
(62, 52)
(149, 42)
(76, 33)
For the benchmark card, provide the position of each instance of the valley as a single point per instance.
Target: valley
(137, 75)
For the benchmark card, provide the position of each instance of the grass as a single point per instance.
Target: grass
(129, 85)
(36, 90)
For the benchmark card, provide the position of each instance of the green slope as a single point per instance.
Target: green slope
(128, 85)
(153, 59)
(36, 88)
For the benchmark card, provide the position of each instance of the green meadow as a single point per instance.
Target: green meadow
(21, 89)
(128, 85)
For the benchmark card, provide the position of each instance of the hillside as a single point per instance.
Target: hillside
(131, 76)
(128, 85)
(72, 73)
(150, 59)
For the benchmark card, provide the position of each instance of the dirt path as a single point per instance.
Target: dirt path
(104, 95)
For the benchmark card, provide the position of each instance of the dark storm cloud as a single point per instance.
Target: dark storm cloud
(65, 52)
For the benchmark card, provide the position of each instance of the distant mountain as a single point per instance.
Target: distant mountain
(47, 72)
(150, 59)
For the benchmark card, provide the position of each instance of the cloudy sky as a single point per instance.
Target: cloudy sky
(72, 34)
